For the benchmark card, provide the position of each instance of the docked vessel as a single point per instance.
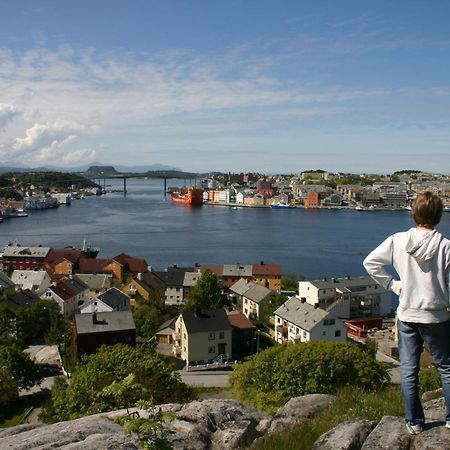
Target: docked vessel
(193, 196)
(280, 205)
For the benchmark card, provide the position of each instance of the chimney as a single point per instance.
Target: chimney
(303, 299)
(139, 276)
(262, 263)
(324, 278)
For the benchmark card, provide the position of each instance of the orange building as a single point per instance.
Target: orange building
(312, 199)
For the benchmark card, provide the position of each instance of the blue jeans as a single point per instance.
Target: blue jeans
(411, 337)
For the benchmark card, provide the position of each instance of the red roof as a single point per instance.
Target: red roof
(267, 269)
(71, 254)
(218, 270)
(238, 320)
(135, 265)
(93, 265)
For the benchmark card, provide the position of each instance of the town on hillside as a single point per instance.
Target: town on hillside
(204, 315)
(20, 193)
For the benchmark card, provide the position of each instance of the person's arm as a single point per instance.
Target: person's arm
(377, 260)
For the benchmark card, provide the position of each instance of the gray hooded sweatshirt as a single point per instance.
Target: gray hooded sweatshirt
(421, 259)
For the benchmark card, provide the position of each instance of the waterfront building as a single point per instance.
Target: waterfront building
(20, 257)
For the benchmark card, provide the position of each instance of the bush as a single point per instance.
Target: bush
(429, 379)
(114, 378)
(275, 375)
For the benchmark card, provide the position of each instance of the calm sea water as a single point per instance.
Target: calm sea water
(144, 223)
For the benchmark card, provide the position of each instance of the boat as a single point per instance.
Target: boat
(89, 251)
(446, 208)
(280, 205)
(193, 196)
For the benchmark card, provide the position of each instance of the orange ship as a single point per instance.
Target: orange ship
(193, 196)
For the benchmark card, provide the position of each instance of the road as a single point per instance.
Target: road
(217, 378)
(394, 364)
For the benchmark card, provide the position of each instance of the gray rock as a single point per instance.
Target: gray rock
(16, 430)
(434, 410)
(435, 436)
(349, 435)
(88, 433)
(237, 435)
(299, 410)
(430, 395)
(389, 434)
(306, 406)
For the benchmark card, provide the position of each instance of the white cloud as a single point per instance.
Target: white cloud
(78, 156)
(7, 114)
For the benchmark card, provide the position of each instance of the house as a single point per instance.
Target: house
(20, 257)
(234, 272)
(173, 278)
(37, 281)
(296, 320)
(256, 301)
(131, 266)
(202, 335)
(190, 280)
(352, 297)
(62, 261)
(268, 275)
(111, 300)
(147, 285)
(91, 331)
(165, 332)
(101, 266)
(21, 299)
(97, 283)
(244, 339)
(69, 294)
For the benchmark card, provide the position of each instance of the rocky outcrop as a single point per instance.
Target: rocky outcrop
(217, 424)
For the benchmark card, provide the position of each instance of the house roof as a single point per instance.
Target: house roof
(167, 324)
(217, 270)
(29, 278)
(348, 283)
(71, 254)
(93, 265)
(241, 286)
(237, 270)
(205, 320)
(301, 314)
(191, 278)
(153, 280)
(68, 288)
(5, 281)
(238, 320)
(256, 292)
(105, 322)
(21, 299)
(137, 265)
(267, 269)
(95, 282)
(173, 277)
(113, 297)
(22, 251)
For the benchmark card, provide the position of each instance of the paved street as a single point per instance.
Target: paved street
(206, 379)
(395, 366)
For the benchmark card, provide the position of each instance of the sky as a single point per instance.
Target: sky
(272, 86)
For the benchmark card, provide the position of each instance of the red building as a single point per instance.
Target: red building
(24, 258)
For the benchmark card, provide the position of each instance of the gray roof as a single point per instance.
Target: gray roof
(168, 324)
(94, 282)
(29, 278)
(237, 270)
(256, 292)
(240, 287)
(350, 284)
(21, 299)
(5, 281)
(113, 297)
(106, 321)
(205, 320)
(30, 252)
(303, 315)
(191, 278)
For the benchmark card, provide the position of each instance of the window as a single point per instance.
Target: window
(222, 335)
(212, 349)
(211, 336)
(337, 333)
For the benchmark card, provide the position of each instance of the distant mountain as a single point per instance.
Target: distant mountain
(12, 167)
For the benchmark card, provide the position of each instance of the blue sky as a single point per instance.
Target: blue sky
(269, 86)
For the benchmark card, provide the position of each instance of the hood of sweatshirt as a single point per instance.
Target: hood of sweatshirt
(422, 246)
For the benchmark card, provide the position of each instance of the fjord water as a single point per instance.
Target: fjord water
(145, 223)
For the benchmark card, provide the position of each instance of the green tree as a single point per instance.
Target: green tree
(290, 281)
(206, 293)
(149, 315)
(18, 368)
(273, 376)
(113, 378)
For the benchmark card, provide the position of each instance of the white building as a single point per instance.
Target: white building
(37, 281)
(298, 321)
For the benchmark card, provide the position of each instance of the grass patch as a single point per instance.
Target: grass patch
(350, 403)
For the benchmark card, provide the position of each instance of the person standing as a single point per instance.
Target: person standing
(421, 258)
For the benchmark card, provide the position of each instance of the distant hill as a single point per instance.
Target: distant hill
(100, 171)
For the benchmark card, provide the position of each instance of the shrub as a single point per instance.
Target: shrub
(429, 379)
(275, 375)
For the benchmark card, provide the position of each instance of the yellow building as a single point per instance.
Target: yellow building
(202, 336)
